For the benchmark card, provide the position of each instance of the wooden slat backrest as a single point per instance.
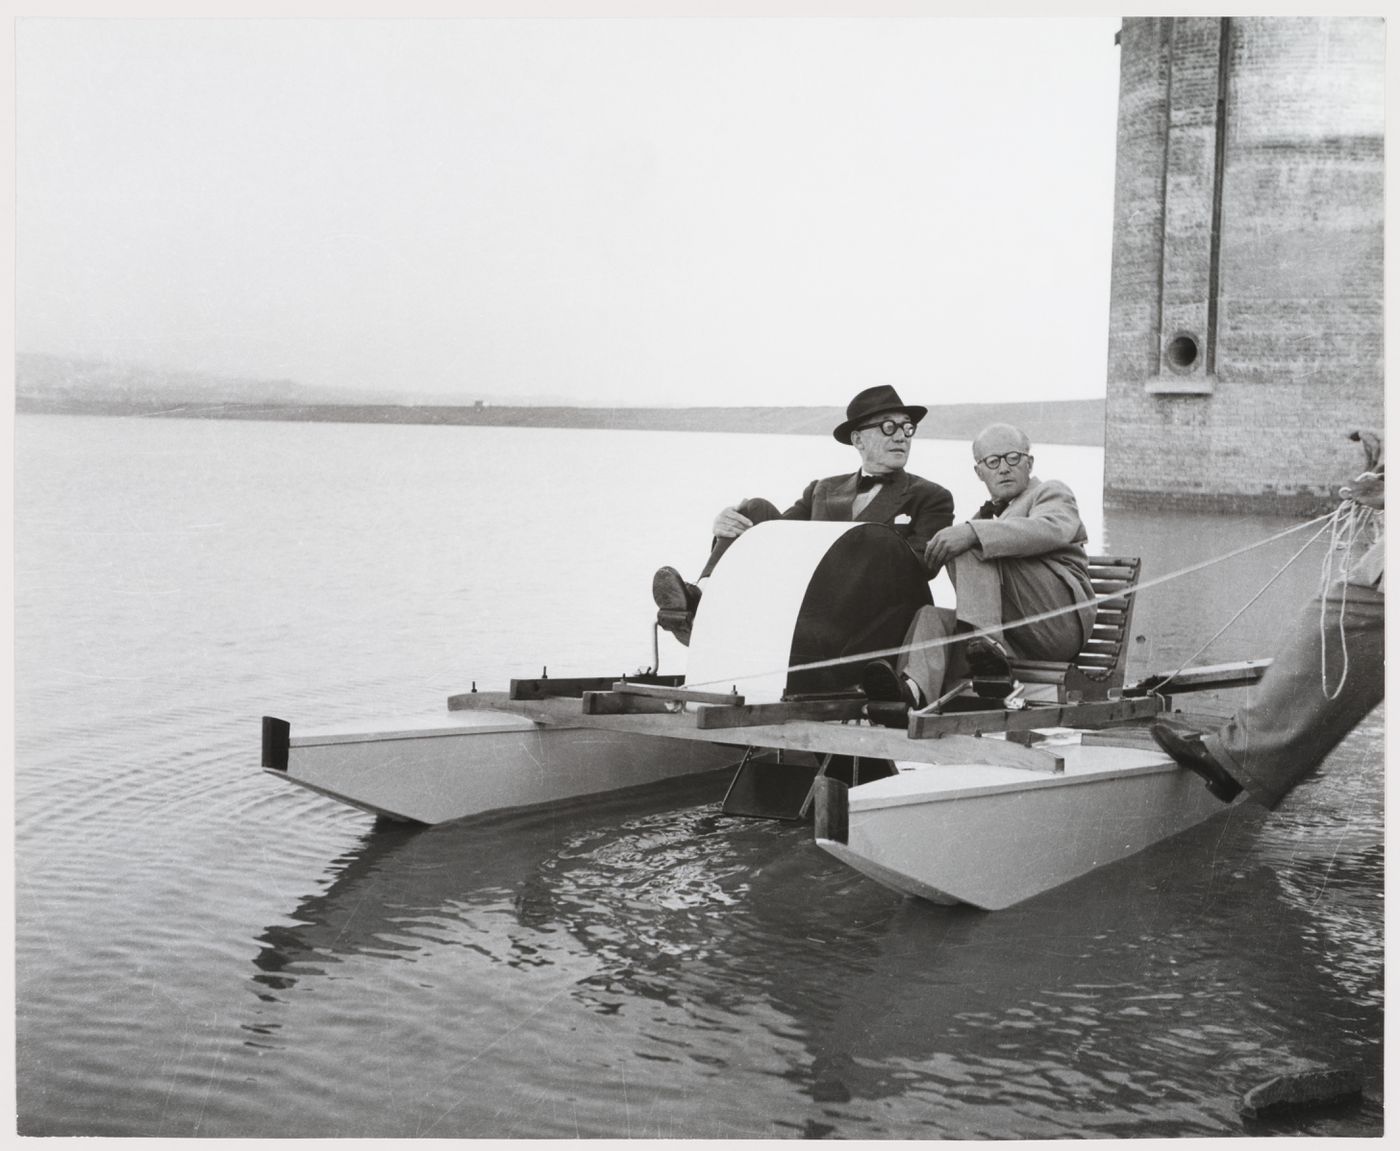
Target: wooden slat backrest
(1103, 662)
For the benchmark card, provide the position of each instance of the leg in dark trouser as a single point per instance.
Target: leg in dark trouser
(759, 511)
(676, 599)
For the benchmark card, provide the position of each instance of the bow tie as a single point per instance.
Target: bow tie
(865, 483)
(991, 509)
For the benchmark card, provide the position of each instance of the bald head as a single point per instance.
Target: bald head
(1010, 450)
(997, 438)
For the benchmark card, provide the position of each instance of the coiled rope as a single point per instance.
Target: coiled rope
(1325, 521)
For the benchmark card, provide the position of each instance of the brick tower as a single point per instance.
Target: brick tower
(1246, 325)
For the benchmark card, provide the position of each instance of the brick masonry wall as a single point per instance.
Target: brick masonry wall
(1298, 341)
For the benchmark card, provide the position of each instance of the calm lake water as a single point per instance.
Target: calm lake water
(204, 952)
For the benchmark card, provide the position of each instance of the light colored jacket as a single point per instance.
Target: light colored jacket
(1042, 522)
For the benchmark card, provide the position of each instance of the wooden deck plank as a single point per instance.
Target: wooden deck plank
(1210, 677)
(622, 703)
(1091, 714)
(758, 714)
(543, 687)
(794, 735)
(681, 694)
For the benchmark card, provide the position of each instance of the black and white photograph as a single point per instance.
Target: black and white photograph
(698, 571)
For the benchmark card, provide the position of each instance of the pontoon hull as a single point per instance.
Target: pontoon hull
(473, 763)
(995, 836)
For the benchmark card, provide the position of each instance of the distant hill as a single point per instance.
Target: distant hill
(58, 385)
(51, 380)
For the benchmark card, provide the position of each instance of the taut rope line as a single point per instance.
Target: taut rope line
(963, 637)
(1331, 523)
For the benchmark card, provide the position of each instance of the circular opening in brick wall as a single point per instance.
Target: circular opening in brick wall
(1183, 352)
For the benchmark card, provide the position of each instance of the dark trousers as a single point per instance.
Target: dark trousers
(759, 510)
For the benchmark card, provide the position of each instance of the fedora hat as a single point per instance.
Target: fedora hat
(877, 401)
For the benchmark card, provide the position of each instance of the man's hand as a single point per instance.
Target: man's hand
(1369, 489)
(730, 523)
(947, 544)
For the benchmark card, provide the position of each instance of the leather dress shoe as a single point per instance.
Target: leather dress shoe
(990, 667)
(1189, 750)
(672, 593)
(883, 684)
(676, 602)
(987, 659)
(888, 694)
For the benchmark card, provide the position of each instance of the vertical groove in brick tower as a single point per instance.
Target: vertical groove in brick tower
(1246, 325)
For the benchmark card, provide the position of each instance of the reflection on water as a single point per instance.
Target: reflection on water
(1141, 1000)
(202, 952)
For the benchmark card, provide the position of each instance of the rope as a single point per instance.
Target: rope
(1195, 655)
(963, 637)
(1357, 517)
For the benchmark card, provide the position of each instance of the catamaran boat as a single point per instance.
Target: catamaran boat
(984, 801)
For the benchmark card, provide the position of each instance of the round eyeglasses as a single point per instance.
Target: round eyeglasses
(889, 427)
(1011, 458)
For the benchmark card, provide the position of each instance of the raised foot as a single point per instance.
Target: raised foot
(1189, 750)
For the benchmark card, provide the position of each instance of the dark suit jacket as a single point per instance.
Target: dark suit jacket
(915, 507)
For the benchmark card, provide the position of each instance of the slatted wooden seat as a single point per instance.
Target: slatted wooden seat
(1100, 667)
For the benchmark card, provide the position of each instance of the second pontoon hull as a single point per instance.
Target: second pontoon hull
(994, 836)
(474, 763)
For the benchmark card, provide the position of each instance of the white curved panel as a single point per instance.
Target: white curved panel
(743, 630)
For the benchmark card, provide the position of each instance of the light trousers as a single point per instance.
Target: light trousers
(1292, 719)
(992, 593)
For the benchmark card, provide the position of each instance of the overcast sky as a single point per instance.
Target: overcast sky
(711, 211)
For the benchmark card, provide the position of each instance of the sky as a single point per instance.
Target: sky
(661, 211)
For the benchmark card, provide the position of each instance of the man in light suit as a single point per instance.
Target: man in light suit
(1021, 554)
(880, 426)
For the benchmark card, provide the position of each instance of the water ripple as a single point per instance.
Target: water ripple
(202, 951)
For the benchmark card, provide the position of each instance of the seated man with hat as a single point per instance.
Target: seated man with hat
(880, 426)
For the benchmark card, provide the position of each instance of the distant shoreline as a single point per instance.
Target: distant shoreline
(1074, 422)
